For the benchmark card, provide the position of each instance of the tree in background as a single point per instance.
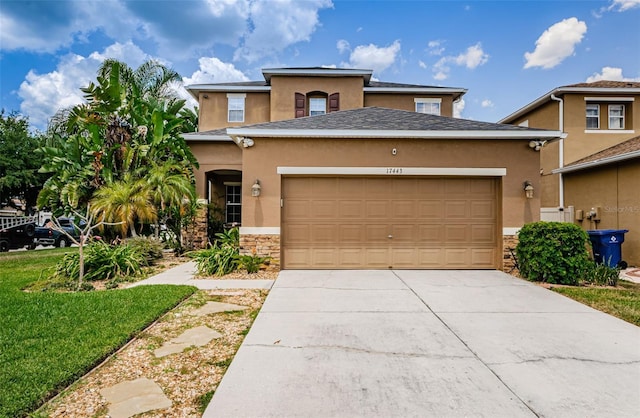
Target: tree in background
(19, 175)
(112, 148)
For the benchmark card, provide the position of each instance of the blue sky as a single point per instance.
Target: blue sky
(506, 53)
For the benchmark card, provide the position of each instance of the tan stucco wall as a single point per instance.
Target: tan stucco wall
(214, 156)
(262, 160)
(406, 101)
(615, 190)
(284, 88)
(213, 110)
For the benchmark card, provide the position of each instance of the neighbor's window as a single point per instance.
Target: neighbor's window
(616, 116)
(236, 107)
(593, 116)
(233, 207)
(430, 106)
(317, 106)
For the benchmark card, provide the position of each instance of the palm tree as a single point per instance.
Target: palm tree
(124, 201)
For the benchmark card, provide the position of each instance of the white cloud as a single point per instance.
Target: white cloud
(44, 94)
(435, 48)
(473, 57)
(212, 70)
(458, 107)
(343, 46)
(610, 74)
(422, 65)
(623, 5)
(374, 57)
(486, 103)
(556, 43)
(277, 24)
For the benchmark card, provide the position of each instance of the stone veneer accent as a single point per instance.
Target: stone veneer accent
(194, 236)
(508, 262)
(264, 245)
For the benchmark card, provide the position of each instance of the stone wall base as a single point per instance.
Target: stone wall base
(194, 236)
(508, 254)
(262, 246)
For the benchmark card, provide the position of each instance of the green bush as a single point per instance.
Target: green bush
(251, 263)
(222, 257)
(552, 252)
(149, 247)
(102, 262)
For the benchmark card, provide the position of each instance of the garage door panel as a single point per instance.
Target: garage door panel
(403, 209)
(350, 209)
(378, 209)
(323, 209)
(345, 222)
(483, 209)
(324, 234)
(456, 209)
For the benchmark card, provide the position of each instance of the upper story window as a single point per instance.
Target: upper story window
(316, 103)
(317, 106)
(428, 105)
(235, 110)
(593, 116)
(616, 116)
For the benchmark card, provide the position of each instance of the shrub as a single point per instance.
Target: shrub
(553, 252)
(251, 262)
(222, 257)
(102, 262)
(150, 248)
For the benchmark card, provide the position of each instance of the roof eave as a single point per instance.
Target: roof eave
(314, 72)
(366, 133)
(562, 90)
(206, 137)
(597, 163)
(456, 92)
(196, 89)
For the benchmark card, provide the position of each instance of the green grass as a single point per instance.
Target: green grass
(622, 302)
(48, 340)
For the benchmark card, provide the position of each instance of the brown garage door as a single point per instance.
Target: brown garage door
(389, 222)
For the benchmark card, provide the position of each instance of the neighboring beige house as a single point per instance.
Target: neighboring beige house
(597, 118)
(604, 188)
(325, 168)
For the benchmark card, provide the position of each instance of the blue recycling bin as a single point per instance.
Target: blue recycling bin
(607, 246)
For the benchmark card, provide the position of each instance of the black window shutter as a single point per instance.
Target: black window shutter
(334, 102)
(300, 105)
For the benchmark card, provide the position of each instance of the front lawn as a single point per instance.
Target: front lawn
(622, 302)
(48, 340)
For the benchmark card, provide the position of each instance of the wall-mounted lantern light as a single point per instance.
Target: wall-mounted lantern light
(256, 189)
(528, 189)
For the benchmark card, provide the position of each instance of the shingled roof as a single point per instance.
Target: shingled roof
(596, 87)
(389, 123)
(626, 150)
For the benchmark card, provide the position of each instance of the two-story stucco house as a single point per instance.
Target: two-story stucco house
(327, 168)
(593, 173)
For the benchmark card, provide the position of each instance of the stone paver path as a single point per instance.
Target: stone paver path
(217, 307)
(197, 337)
(134, 397)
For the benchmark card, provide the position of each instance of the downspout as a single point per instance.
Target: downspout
(560, 148)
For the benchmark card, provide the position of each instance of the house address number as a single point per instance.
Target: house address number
(394, 170)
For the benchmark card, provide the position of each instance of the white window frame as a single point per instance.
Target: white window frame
(235, 107)
(619, 118)
(317, 106)
(596, 116)
(228, 203)
(428, 105)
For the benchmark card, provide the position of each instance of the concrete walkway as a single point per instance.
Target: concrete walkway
(429, 344)
(183, 274)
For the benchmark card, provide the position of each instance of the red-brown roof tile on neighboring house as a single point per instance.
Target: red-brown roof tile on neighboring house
(625, 147)
(608, 84)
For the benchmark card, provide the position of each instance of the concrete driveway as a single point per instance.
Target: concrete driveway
(429, 344)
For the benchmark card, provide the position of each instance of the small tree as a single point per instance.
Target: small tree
(83, 236)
